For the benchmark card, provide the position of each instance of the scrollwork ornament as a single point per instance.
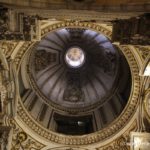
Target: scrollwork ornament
(121, 143)
(22, 140)
(21, 136)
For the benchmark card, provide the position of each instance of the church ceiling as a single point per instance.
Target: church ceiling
(41, 112)
(67, 85)
(64, 80)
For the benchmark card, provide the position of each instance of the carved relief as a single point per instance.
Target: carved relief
(73, 92)
(122, 142)
(8, 86)
(43, 59)
(31, 27)
(5, 32)
(26, 27)
(20, 139)
(3, 86)
(119, 144)
(143, 50)
(7, 47)
(134, 31)
(4, 137)
(3, 22)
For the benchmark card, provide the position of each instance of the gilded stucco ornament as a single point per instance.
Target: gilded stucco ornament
(20, 139)
(147, 104)
(112, 129)
(143, 51)
(122, 142)
(7, 87)
(8, 47)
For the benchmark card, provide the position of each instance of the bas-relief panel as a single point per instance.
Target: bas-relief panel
(21, 140)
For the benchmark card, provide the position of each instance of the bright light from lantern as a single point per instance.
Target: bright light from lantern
(75, 57)
(147, 70)
(137, 142)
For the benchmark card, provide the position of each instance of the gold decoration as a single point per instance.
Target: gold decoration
(121, 143)
(21, 136)
(110, 130)
(143, 51)
(22, 140)
(8, 47)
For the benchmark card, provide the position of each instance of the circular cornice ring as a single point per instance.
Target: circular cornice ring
(105, 133)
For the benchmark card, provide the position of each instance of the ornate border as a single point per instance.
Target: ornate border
(21, 53)
(116, 125)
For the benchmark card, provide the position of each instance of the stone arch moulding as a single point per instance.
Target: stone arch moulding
(145, 67)
(147, 104)
(116, 126)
